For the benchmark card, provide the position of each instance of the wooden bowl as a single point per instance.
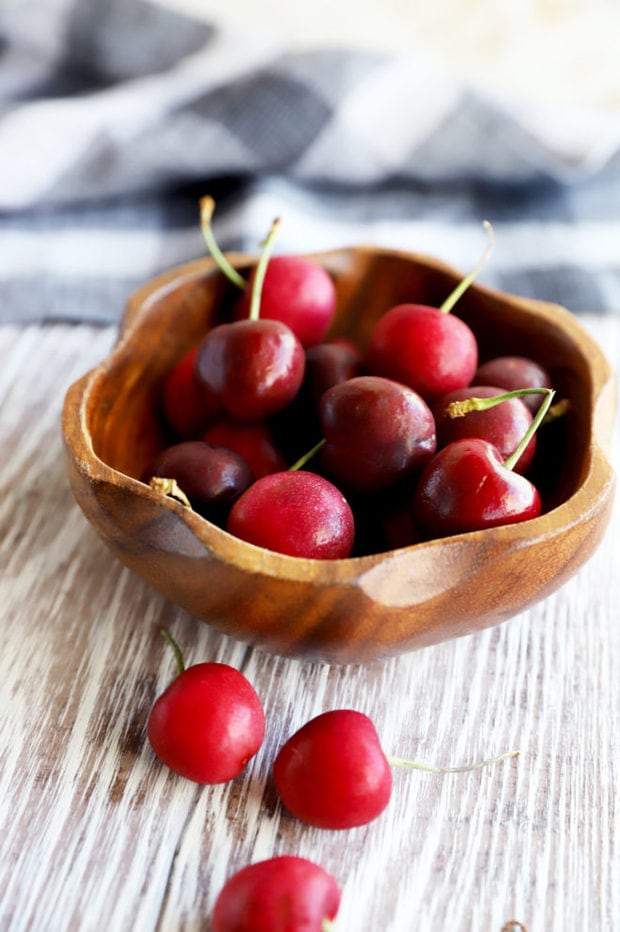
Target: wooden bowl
(362, 608)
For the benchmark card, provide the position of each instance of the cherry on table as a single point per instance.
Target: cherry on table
(295, 512)
(208, 723)
(425, 347)
(376, 432)
(333, 773)
(280, 894)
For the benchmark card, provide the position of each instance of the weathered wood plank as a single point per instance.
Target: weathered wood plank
(95, 834)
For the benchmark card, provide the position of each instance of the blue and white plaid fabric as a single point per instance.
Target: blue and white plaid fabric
(116, 117)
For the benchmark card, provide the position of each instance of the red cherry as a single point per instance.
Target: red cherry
(251, 441)
(298, 292)
(188, 405)
(467, 487)
(281, 894)
(296, 513)
(376, 432)
(332, 773)
(502, 425)
(207, 724)
(425, 347)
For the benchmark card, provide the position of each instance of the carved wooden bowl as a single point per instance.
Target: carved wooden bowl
(361, 608)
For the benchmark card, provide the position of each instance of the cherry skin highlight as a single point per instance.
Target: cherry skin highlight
(376, 432)
(297, 513)
(298, 292)
(332, 773)
(466, 487)
(280, 894)
(207, 724)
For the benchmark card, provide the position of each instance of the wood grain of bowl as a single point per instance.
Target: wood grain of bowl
(361, 608)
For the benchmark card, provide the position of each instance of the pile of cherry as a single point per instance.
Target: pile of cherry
(332, 773)
(309, 447)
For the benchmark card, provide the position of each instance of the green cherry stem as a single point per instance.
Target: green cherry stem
(261, 269)
(464, 284)
(429, 768)
(327, 925)
(207, 206)
(460, 408)
(176, 650)
(301, 462)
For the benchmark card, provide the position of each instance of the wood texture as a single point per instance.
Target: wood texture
(95, 834)
(374, 605)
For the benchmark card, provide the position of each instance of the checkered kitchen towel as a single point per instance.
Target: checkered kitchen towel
(116, 117)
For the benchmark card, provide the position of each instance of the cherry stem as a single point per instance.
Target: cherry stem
(307, 456)
(171, 488)
(429, 768)
(327, 925)
(178, 656)
(463, 285)
(460, 408)
(261, 269)
(207, 206)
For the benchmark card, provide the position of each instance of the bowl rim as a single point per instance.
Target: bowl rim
(595, 487)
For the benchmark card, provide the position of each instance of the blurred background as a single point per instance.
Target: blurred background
(398, 124)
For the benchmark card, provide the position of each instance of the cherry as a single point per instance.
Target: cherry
(333, 773)
(297, 513)
(513, 372)
(296, 290)
(208, 723)
(329, 364)
(188, 405)
(425, 347)
(376, 431)
(468, 486)
(255, 366)
(253, 442)
(211, 477)
(503, 425)
(280, 894)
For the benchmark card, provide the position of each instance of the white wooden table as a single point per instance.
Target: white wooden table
(96, 835)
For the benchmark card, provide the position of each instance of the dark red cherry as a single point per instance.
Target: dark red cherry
(514, 372)
(503, 425)
(297, 513)
(376, 432)
(254, 367)
(329, 364)
(211, 477)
